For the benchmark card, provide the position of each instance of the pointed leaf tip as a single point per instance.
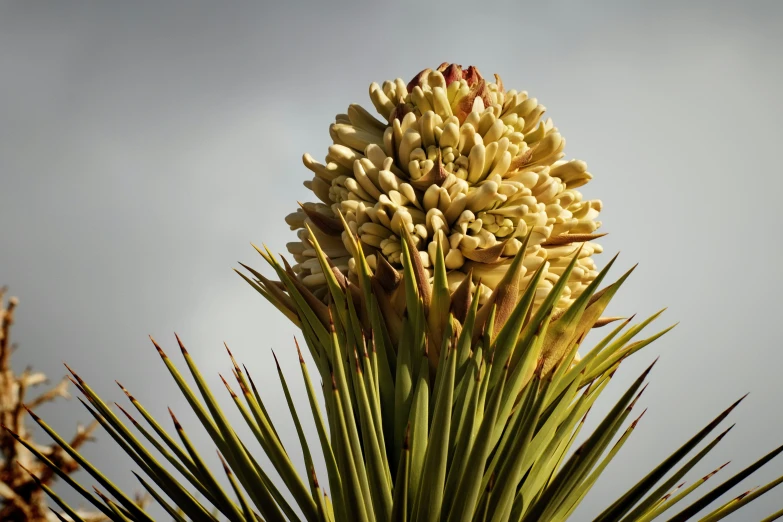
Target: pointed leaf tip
(488, 256)
(386, 275)
(126, 392)
(330, 226)
(33, 415)
(299, 351)
(181, 345)
(157, 347)
(638, 396)
(127, 414)
(603, 321)
(177, 425)
(634, 423)
(36, 479)
(736, 403)
(649, 369)
(223, 461)
(72, 372)
(233, 395)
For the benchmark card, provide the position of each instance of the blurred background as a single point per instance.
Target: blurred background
(144, 145)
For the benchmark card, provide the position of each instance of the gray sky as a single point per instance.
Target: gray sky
(143, 146)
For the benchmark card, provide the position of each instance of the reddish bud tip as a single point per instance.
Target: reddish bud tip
(452, 73)
(472, 76)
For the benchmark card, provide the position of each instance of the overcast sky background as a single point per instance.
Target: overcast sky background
(144, 145)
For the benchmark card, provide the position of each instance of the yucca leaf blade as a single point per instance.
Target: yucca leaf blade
(228, 443)
(246, 509)
(707, 499)
(214, 492)
(563, 331)
(380, 490)
(308, 459)
(51, 494)
(440, 305)
(740, 502)
(332, 469)
(352, 488)
(621, 354)
(590, 450)
(576, 495)
(148, 463)
(62, 474)
(508, 338)
(464, 342)
(174, 513)
(774, 516)
(403, 389)
(599, 360)
(463, 430)
(276, 453)
(183, 468)
(543, 313)
(277, 302)
(630, 498)
(466, 498)
(669, 500)
(511, 470)
(351, 438)
(91, 469)
(429, 498)
(417, 432)
(401, 483)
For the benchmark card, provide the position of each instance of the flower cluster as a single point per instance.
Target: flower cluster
(459, 161)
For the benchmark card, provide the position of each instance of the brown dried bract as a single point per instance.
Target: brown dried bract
(416, 81)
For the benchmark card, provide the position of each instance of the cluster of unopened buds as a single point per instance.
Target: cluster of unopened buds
(455, 160)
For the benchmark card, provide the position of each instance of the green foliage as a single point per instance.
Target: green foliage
(453, 411)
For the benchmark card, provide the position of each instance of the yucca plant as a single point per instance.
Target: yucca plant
(444, 288)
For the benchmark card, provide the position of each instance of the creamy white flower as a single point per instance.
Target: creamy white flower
(459, 161)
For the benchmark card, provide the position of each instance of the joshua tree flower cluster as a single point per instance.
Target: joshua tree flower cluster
(458, 161)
